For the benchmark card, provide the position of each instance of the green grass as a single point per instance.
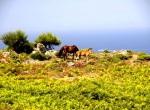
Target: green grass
(123, 87)
(104, 85)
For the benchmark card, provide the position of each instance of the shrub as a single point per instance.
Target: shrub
(15, 57)
(39, 56)
(88, 68)
(141, 53)
(17, 41)
(106, 51)
(119, 57)
(130, 51)
(23, 57)
(2, 65)
(48, 40)
(144, 57)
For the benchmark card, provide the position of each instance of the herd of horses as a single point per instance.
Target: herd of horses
(75, 51)
(64, 51)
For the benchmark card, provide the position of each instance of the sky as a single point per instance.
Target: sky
(50, 15)
(42, 16)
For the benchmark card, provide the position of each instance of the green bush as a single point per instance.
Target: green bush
(56, 66)
(141, 53)
(119, 57)
(17, 41)
(40, 56)
(130, 51)
(106, 51)
(2, 65)
(48, 40)
(144, 57)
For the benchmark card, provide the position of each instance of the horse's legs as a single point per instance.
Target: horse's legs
(86, 58)
(64, 55)
(80, 56)
(77, 56)
(86, 55)
(73, 57)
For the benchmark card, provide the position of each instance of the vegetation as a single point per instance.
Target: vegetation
(39, 56)
(106, 51)
(17, 41)
(48, 40)
(143, 56)
(106, 82)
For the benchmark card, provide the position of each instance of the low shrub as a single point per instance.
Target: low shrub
(130, 51)
(106, 51)
(144, 57)
(40, 56)
(141, 53)
(2, 65)
(119, 57)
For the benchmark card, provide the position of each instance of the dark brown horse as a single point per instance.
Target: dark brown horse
(68, 49)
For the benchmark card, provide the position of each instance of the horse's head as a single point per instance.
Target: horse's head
(75, 48)
(62, 50)
(90, 50)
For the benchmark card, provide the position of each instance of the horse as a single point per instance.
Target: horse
(84, 53)
(68, 49)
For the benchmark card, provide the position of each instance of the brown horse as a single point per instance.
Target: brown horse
(68, 49)
(84, 53)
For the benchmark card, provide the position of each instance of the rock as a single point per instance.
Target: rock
(70, 64)
(6, 54)
(3, 60)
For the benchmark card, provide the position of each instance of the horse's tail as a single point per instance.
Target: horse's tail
(60, 51)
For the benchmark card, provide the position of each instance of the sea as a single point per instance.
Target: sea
(99, 40)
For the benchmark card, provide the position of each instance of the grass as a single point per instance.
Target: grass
(106, 83)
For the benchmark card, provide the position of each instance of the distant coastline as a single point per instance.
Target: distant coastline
(137, 40)
(3, 46)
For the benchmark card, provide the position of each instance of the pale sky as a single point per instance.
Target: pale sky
(52, 15)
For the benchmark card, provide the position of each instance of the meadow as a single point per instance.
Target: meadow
(106, 82)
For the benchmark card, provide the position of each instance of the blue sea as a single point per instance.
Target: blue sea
(135, 40)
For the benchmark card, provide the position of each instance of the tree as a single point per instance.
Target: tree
(17, 41)
(48, 40)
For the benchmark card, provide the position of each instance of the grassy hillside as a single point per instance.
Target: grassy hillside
(107, 81)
